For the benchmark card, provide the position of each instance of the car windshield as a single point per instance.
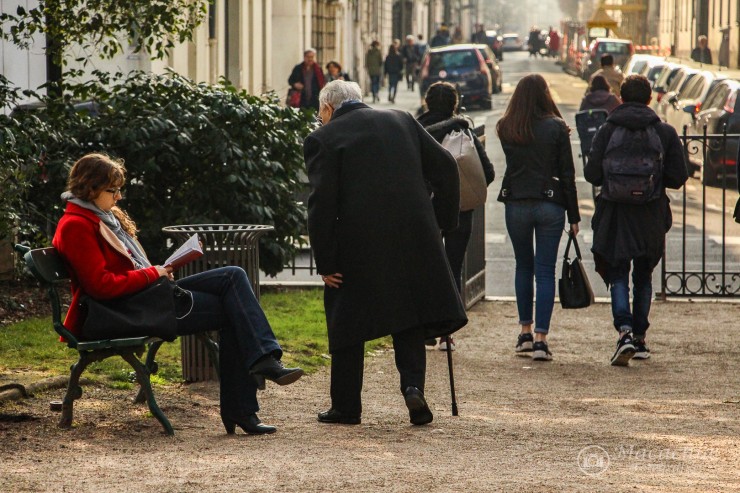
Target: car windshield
(611, 47)
(653, 73)
(453, 60)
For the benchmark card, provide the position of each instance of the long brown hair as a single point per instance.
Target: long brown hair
(530, 102)
(94, 173)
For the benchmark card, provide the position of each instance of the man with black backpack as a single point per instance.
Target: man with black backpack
(634, 157)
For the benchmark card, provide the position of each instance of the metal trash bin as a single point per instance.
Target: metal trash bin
(223, 245)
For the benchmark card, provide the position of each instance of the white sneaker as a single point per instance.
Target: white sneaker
(443, 343)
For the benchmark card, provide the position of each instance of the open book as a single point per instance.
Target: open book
(188, 251)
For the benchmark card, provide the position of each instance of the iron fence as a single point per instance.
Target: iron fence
(700, 258)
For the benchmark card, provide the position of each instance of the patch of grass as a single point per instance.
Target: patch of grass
(296, 316)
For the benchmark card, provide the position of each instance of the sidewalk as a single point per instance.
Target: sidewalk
(575, 424)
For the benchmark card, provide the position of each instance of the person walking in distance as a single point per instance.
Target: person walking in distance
(702, 53)
(393, 68)
(440, 119)
(410, 55)
(375, 234)
(599, 96)
(613, 76)
(374, 66)
(634, 158)
(538, 190)
(308, 78)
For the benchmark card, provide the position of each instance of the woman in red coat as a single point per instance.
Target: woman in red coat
(98, 242)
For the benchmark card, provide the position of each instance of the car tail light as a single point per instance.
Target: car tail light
(659, 97)
(697, 109)
(632, 49)
(730, 104)
(728, 161)
(483, 68)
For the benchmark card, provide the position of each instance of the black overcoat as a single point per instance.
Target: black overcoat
(371, 218)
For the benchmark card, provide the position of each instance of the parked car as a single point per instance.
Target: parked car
(679, 82)
(493, 67)
(653, 69)
(462, 65)
(662, 82)
(620, 49)
(637, 63)
(691, 96)
(720, 110)
(512, 42)
(496, 43)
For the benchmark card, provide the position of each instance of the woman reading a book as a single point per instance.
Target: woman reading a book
(98, 242)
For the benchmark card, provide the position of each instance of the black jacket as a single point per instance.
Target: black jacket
(370, 218)
(393, 64)
(439, 125)
(542, 169)
(625, 231)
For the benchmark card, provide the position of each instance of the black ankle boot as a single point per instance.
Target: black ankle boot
(271, 369)
(250, 423)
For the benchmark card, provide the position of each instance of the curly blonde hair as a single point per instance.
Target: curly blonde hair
(94, 173)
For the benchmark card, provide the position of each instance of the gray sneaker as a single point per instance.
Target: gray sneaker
(524, 344)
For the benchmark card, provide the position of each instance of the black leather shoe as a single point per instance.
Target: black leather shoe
(250, 423)
(419, 412)
(273, 370)
(334, 416)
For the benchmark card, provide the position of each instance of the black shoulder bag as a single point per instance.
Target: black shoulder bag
(574, 287)
(151, 312)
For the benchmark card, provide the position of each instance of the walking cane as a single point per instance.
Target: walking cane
(452, 374)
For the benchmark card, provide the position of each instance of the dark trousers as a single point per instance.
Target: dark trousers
(223, 299)
(456, 242)
(347, 365)
(635, 319)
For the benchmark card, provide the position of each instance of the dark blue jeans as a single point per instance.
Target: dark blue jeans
(642, 293)
(375, 85)
(393, 79)
(223, 300)
(535, 228)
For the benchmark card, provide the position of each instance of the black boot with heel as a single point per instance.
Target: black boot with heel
(249, 423)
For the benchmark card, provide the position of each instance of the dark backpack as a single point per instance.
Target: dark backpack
(633, 166)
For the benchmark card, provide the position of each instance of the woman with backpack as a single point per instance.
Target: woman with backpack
(440, 120)
(538, 189)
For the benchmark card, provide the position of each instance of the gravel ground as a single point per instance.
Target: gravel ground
(669, 424)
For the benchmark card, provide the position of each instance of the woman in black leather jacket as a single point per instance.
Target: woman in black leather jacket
(538, 189)
(442, 100)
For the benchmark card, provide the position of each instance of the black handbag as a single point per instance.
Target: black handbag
(152, 312)
(574, 287)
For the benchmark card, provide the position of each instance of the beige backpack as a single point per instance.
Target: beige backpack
(473, 188)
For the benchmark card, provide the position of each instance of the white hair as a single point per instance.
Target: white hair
(338, 92)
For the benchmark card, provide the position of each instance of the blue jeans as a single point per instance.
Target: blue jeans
(642, 293)
(544, 221)
(393, 79)
(375, 85)
(223, 299)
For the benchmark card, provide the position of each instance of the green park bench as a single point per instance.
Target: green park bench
(47, 267)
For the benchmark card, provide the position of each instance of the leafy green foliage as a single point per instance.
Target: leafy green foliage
(195, 154)
(99, 25)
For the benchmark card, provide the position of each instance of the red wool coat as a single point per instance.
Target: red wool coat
(98, 262)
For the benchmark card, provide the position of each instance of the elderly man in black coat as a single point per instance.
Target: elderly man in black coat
(375, 234)
(633, 234)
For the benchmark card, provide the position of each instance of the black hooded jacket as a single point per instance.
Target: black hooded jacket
(439, 125)
(626, 231)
